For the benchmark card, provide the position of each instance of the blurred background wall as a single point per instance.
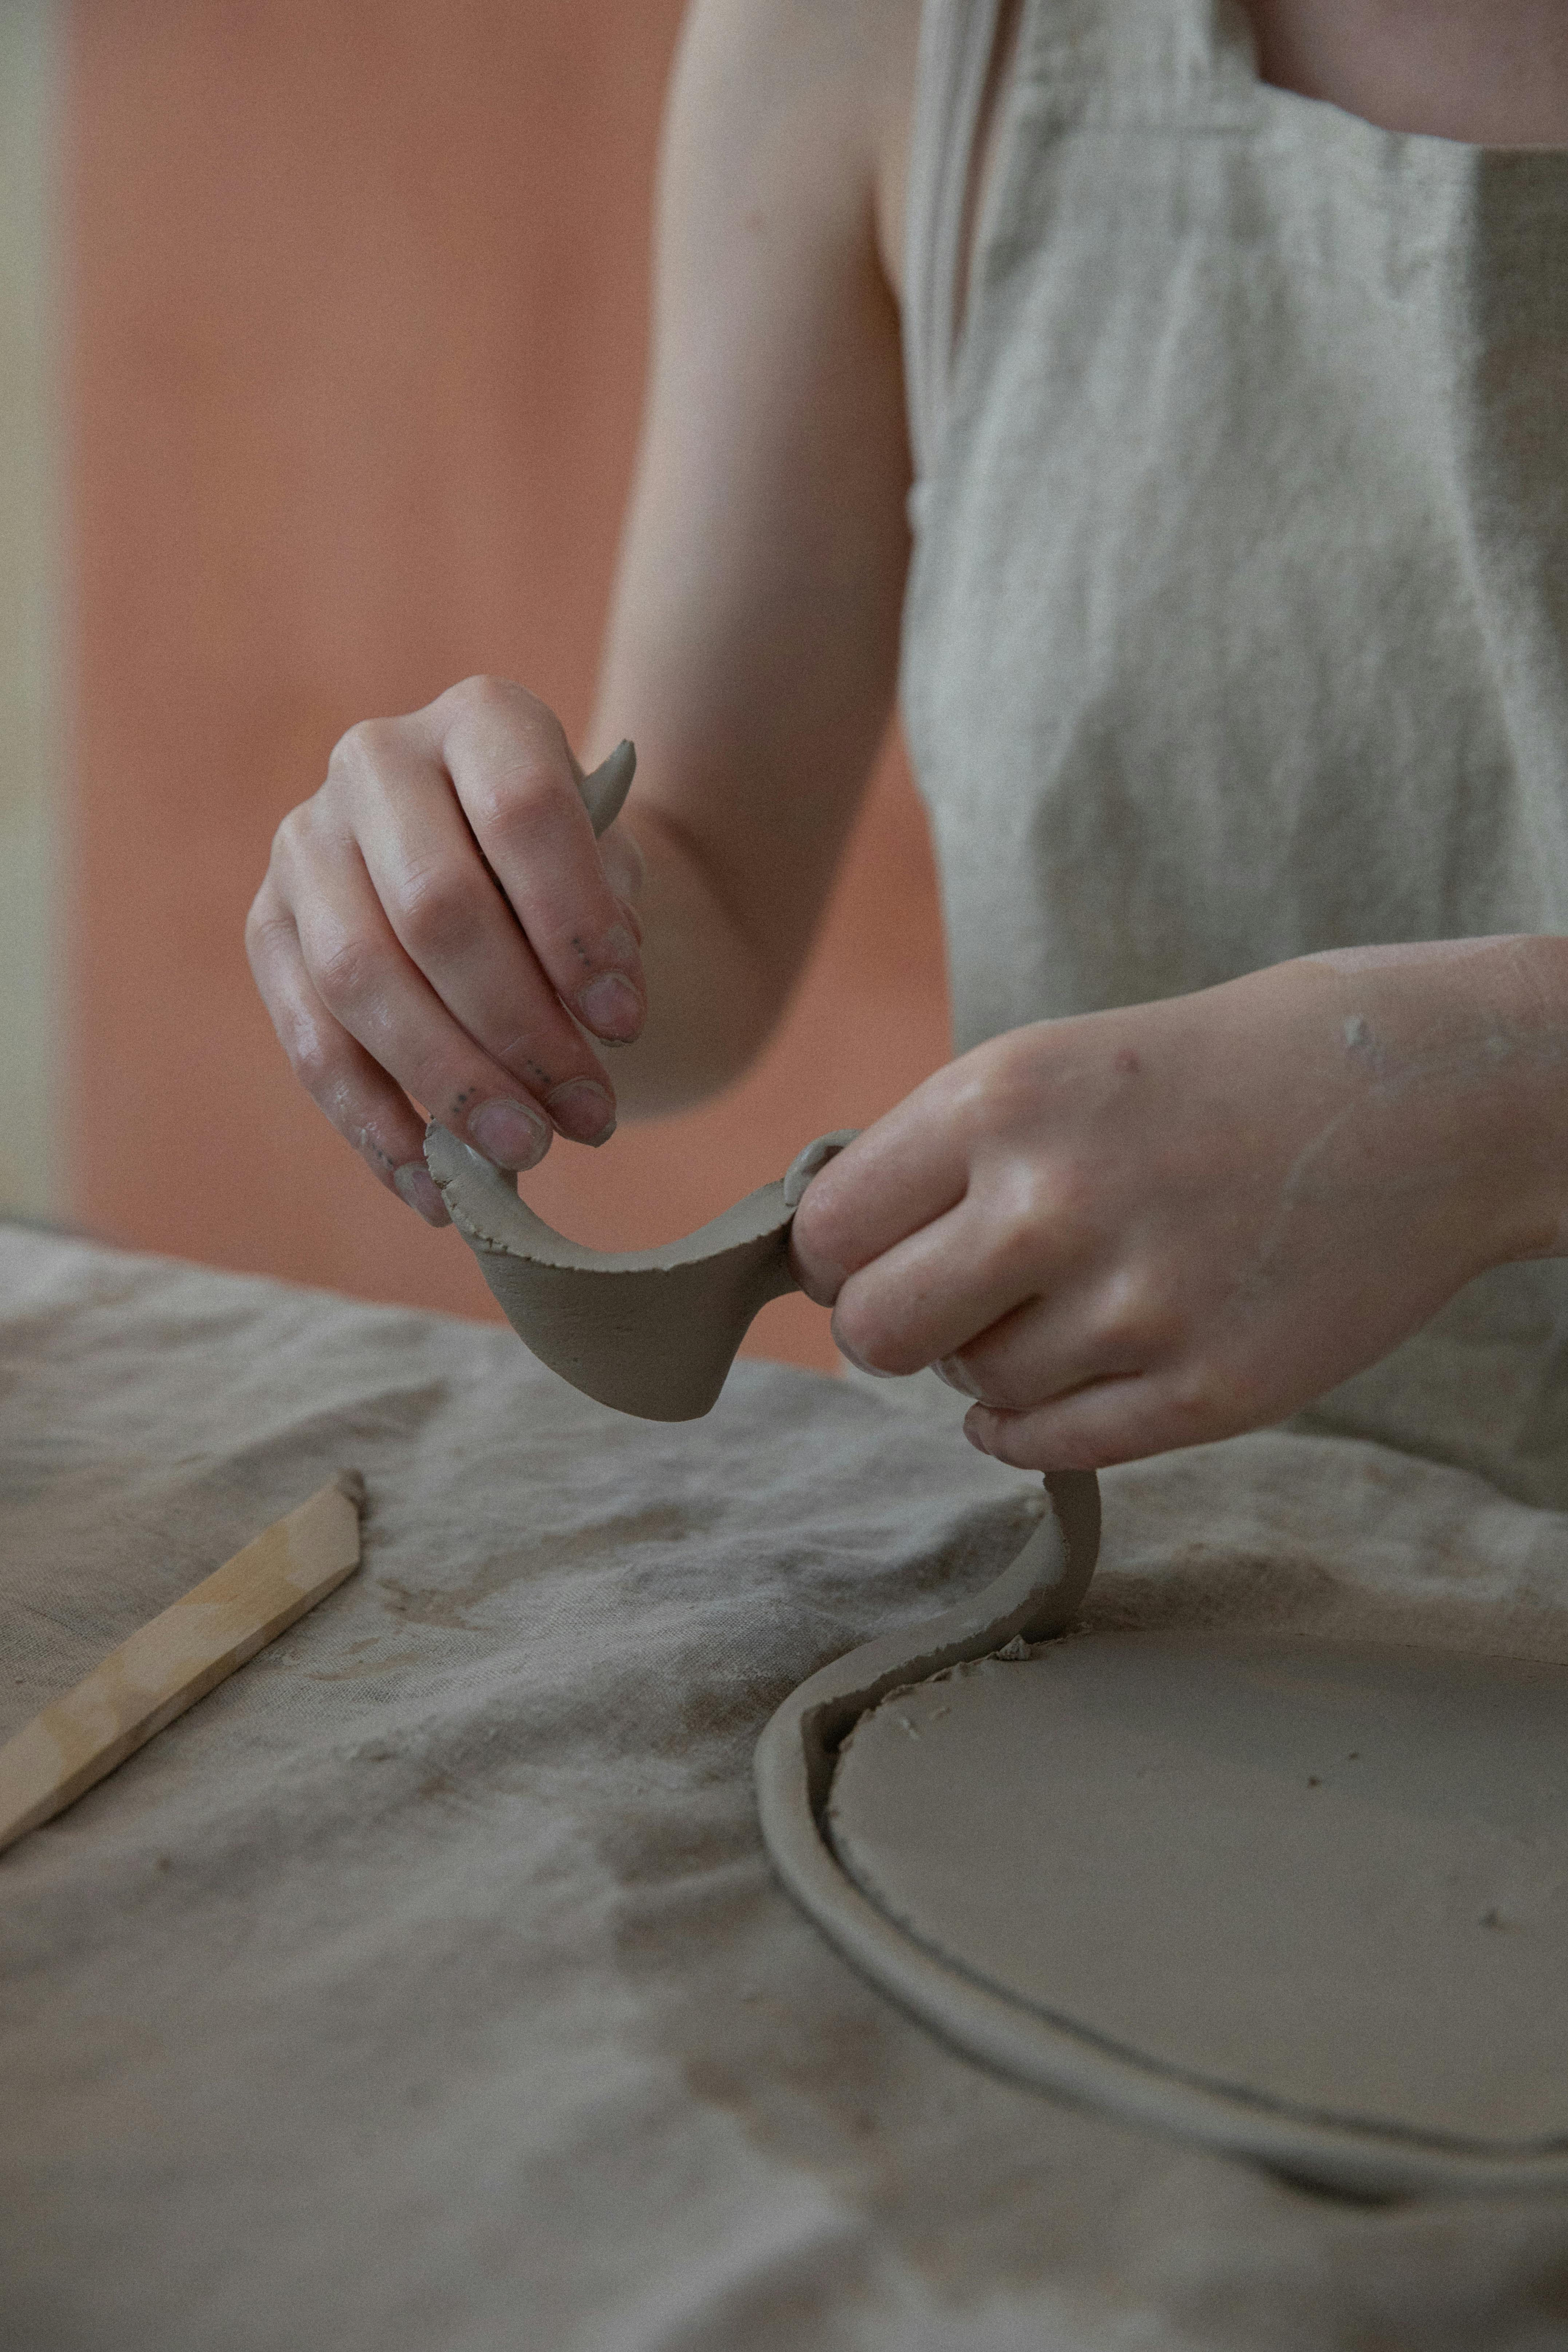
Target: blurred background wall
(352, 317)
(31, 966)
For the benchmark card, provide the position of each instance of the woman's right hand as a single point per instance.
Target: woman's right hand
(437, 920)
(436, 923)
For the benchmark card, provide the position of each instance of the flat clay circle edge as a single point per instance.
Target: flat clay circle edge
(793, 1764)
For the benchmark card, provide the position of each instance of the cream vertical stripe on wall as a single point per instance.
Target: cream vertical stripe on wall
(31, 1028)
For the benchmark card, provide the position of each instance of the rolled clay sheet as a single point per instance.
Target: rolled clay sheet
(1313, 1893)
(652, 1332)
(1303, 1901)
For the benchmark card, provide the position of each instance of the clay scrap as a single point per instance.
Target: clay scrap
(604, 792)
(651, 1332)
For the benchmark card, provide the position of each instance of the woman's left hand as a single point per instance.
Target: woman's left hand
(1148, 1228)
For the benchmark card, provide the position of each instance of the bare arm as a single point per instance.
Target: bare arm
(437, 928)
(753, 638)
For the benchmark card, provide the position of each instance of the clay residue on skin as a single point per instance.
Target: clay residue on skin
(1462, 1064)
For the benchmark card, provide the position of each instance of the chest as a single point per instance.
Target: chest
(1488, 72)
(1484, 72)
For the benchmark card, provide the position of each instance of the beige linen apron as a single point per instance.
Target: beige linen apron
(1238, 616)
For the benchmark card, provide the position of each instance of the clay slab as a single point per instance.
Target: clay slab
(652, 1332)
(1303, 1901)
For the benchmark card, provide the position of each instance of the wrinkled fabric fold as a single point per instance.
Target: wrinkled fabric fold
(429, 1983)
(1237, 626)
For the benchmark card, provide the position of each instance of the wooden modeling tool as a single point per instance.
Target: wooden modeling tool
(170, 1664)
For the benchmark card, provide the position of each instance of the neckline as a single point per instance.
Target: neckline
(1231, 29)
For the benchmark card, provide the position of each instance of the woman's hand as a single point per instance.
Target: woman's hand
(434, 925)
(1148, 1228)
(436, 921)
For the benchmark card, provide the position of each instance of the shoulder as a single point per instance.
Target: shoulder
(814, 94)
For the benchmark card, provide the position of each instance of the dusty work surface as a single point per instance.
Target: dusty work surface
(427, 1987)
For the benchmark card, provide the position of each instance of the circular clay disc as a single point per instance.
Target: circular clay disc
(1307, 1901)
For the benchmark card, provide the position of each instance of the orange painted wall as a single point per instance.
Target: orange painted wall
(357, 313)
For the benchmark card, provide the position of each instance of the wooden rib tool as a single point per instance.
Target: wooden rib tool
(170, 1664)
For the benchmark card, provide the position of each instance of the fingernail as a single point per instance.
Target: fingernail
(873, 1370)
(416, 1185)
(583, 1111)
(973, 1436)
(611, 1006)
(510, 1135)
(953, 1372)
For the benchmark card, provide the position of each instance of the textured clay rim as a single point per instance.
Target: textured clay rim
(1036, 1597)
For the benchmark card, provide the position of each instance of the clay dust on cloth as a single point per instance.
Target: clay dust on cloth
(426, 1984)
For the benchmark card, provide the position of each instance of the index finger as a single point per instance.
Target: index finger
(897, 1176)
(519, 787)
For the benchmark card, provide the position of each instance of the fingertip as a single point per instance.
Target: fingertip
(413, 1183)
(821, 1284)
(582, 1110)
(513, 1135)
(1007, 1437)
(612, 1008)
(818, 1276)
(853, 1356)
(1050, 1438)
(810, 1186)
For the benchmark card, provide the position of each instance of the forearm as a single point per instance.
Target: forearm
(753, 639)
(714, 996)
(438, 931)
(1467, 1041)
